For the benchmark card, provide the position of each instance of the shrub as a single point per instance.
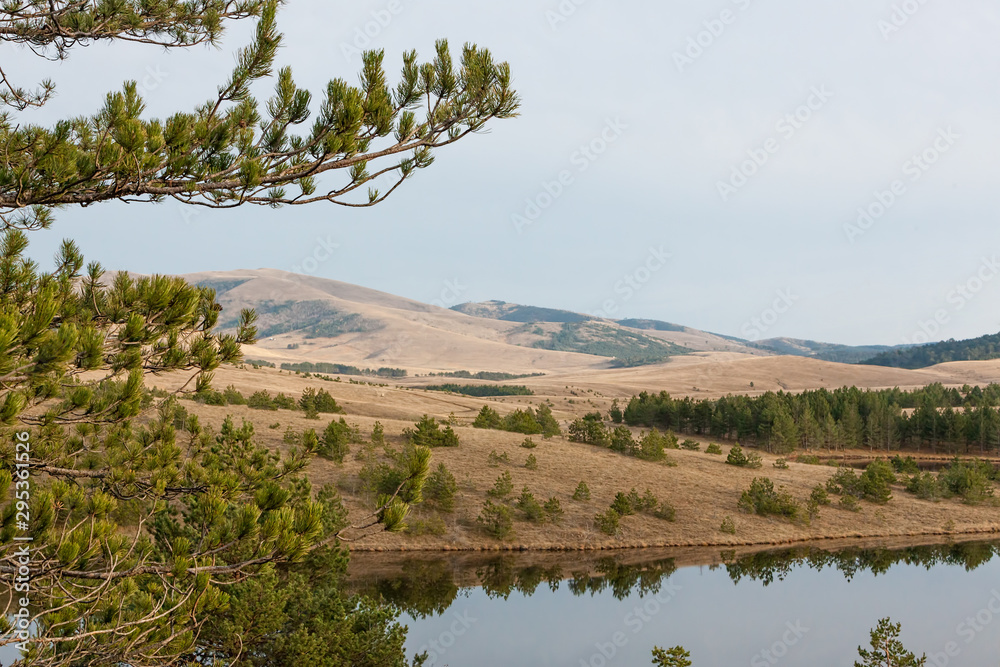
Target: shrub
(336, 437)
(503, 487)
(925, 486)
(590, 430)
(849, 503)
(622, 504)
(261, 400)
(615, 413)
(809, 459)
(690, 445)
(781, 464)
(234, 397)
(291, 436)
(728, 525)
(553, 509)
(713, 449)
(845, 482)
(378, 434)
(440, 488)
(736, 457)
(819, 495)
(665, 511)
(427, 433)
(762, 499)
(971, 480)
(521, 421)
(653, 445)
(876, 481)
(494, 460)
(582, 492)
(532, 509)
(608, 522)
(531, 463)
(275, 425)
(623, 442)
(487, 418)
(496, 520)
(647, 503)
(907, 465)
(529, 443)
(284, 402)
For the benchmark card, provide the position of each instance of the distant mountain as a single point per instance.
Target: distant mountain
(512, 312)
(922, 356)
(844, 354)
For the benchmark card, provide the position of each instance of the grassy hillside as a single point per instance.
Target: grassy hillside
(627, 348)
(922, 356)
(701, 488)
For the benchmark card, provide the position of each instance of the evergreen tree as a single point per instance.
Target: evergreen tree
(144, 547)
(887, 650)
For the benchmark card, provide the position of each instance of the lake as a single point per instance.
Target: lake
(802, 606)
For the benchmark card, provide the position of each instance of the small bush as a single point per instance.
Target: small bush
(849, 503)
(234, 397)
(529, 443)
(553, 509)
(532, 509)
(690, 445)
(378, 434)
(728, 526)
(503, 487)
(582, 492)
(925, 486)
(623, 442)
(713, 449)
(781, 464)
(737, 457)
(496, 520)
(275, 425)
(906, 466)
(494, 460)
(608, 522)
(261, 400)
(970, 480)
(665, 511)
(427, 433)
(808, 459)
(284, 402)
(819, 495)
(440, 488)
(762, 499)
(531, 463)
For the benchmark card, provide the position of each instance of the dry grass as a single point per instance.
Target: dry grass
(701, 487)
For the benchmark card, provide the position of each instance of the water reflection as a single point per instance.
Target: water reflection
(424, 587)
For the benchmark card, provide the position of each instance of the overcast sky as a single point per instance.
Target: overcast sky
(716, 153)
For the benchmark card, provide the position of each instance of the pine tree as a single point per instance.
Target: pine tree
(147, 541)
(887, 650)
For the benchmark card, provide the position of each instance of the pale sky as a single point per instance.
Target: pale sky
(829, 107)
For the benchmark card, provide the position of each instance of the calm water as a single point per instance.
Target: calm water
(801, 607)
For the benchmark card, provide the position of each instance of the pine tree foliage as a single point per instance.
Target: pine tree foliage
(233, 149)
(154, 538)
